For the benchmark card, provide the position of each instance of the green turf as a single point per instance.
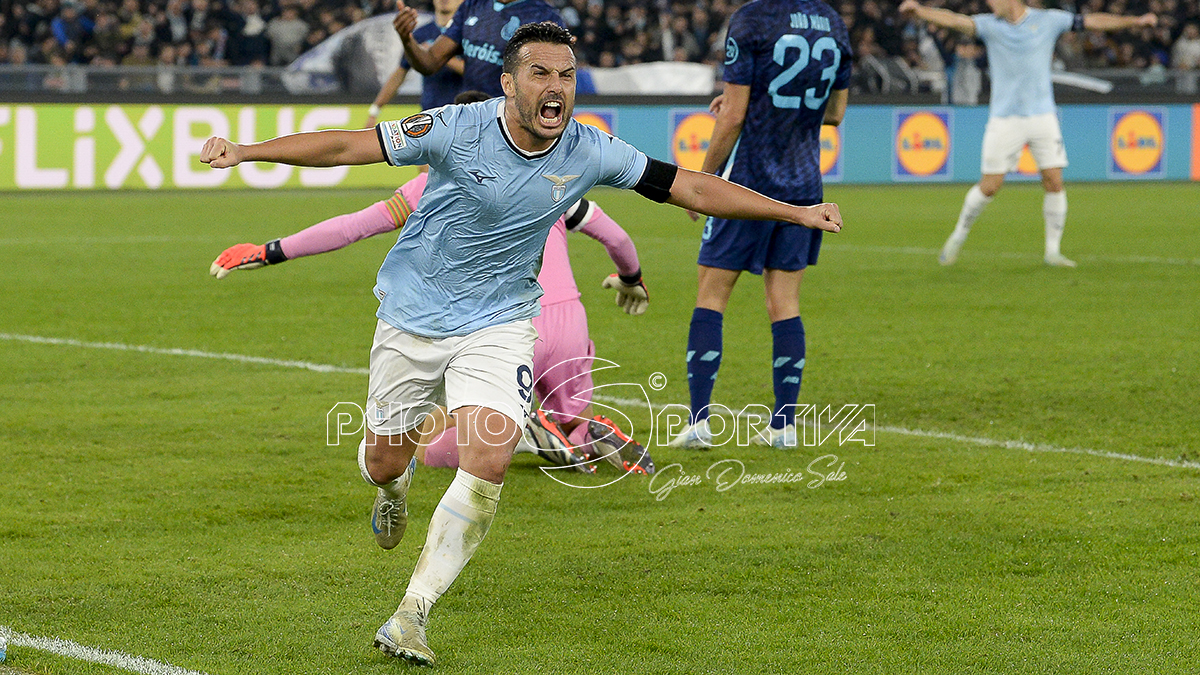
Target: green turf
(188, 510)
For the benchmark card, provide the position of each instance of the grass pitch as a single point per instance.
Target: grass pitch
(188, 510)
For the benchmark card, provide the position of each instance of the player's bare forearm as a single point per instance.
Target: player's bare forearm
(390, 87)
(731, 115)
(835, 110)
(938, 16)
(1102, 21)
(422, 59)
(334, 147)
(720, 146)
(426, 60)
(419, 56)
(715, 196)
(456, 65)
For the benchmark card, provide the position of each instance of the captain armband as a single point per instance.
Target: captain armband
(655, 183)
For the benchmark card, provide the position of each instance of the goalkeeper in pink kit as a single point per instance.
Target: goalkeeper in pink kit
(563, 430)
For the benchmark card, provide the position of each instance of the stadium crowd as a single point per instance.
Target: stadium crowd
(611, 33)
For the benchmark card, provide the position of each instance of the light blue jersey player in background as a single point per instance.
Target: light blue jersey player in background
(787, 69)
(1020, 46)
(458, 289)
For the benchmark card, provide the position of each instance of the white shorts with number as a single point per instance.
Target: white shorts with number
(409, 374)
(1004, 138)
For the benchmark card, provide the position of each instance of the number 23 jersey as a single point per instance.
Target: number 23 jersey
(792, 54)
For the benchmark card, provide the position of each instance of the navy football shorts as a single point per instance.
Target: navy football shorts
(754, 245)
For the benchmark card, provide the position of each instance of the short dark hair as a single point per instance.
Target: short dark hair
(471, 96)
(546, 31)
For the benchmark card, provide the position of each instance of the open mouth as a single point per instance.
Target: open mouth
(551, 113)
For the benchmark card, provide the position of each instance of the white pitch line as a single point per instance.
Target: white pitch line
(240, 358)
(973, 440)
(324, 368)
(914, 250)
(71, 650)
(100, 241)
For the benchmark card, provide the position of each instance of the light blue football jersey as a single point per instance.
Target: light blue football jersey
(469, 256)
(1019, 57)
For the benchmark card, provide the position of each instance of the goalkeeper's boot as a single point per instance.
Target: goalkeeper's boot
(403, 636)
(694, 436)
(389, 517)
(620, 450)
(778, 438)
(553, 445)
(1058, 260)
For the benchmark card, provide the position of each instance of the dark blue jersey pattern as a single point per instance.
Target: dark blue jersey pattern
(482, 28)
(440, 88)
(792, 54)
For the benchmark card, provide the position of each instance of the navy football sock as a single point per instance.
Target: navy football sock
(703, 359)
(788, 367)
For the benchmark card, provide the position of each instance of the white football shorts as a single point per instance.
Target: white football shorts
(410, 374)
(1005, 137)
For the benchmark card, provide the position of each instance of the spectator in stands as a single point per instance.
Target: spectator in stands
(966, 78)
(108, 43)
(138, 56)
(886, 31)
(250, 46)
(71, 29)
(678, 42)
(130, 15)
(612, 33)
(286, 33)
(173, 28)
(1185, 53)
(1069, 52)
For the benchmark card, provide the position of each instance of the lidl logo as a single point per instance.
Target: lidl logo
(603, 119)
(922, 148)
(1136, 143)
(831, 153)
(691, 133)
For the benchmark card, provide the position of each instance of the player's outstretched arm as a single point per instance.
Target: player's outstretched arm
(731, 115)
(334, 147)
(835, 110)
(715, 196)
(386, 92)
(328, 235)
(424, 60)
(938, 17)
(1113, 22)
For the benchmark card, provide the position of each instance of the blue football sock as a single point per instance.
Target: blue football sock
(703, 359)
(788, 367)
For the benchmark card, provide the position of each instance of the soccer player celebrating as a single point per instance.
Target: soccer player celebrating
(787, 69)
(1020, 46)
(437, 88)
(564, 431)
(458, 290)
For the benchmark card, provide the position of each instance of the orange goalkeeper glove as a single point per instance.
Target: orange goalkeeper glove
(632, 295)
(246, 257)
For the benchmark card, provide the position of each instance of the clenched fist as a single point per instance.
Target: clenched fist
(220, 153)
